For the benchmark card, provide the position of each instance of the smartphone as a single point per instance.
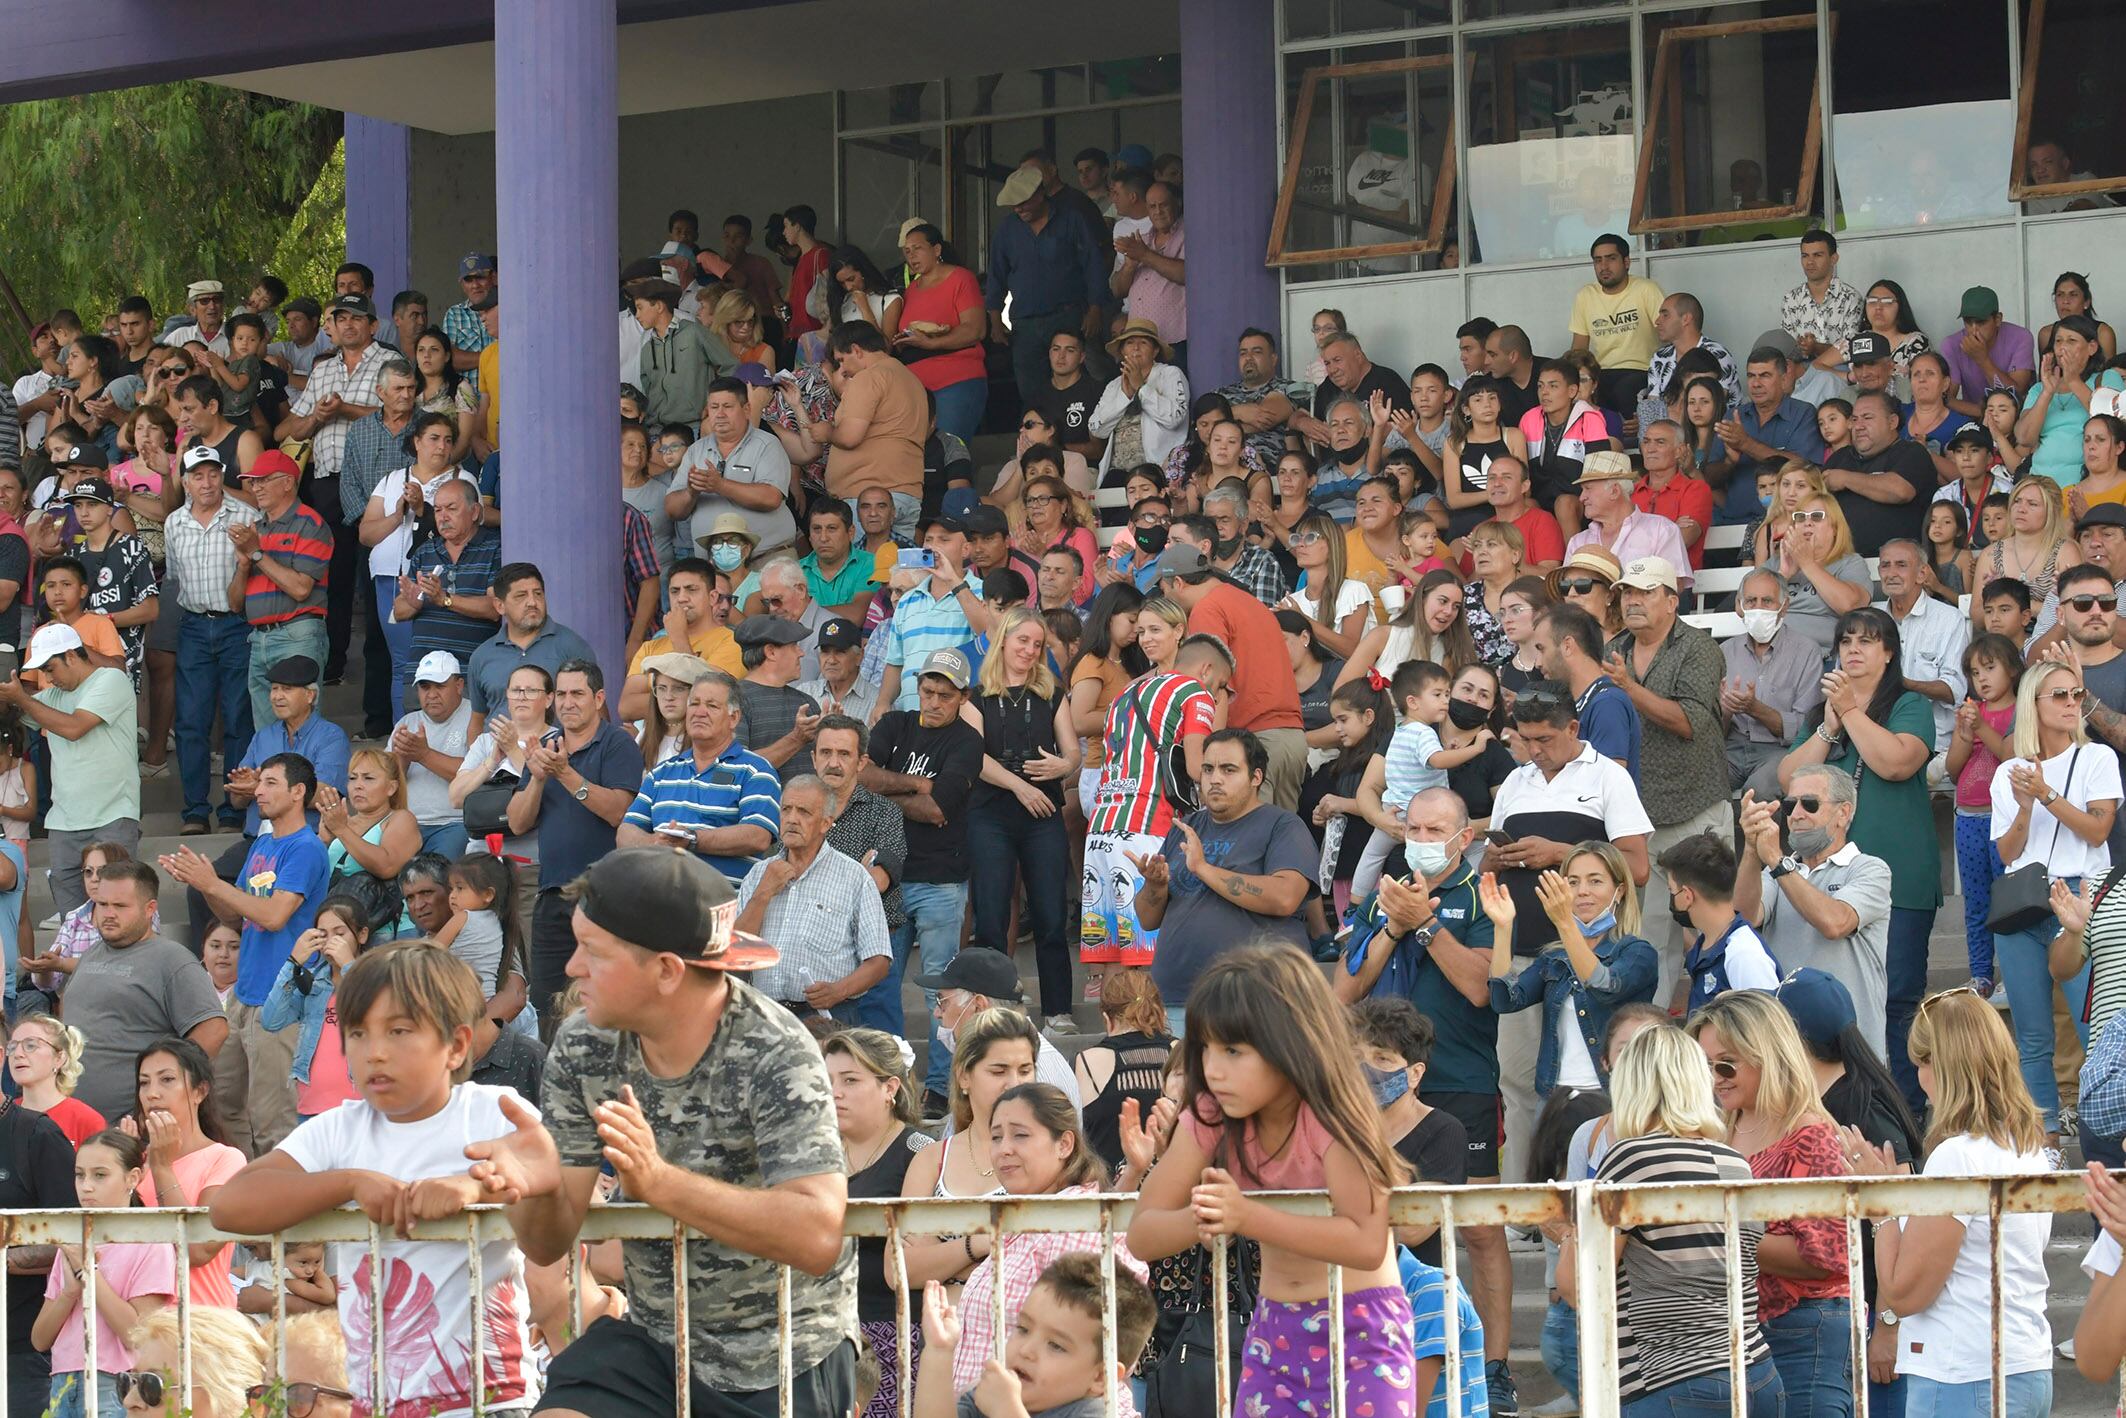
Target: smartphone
(673, 829)
(923, 557)
(10, 661)
(1499, 839)
(550, 739)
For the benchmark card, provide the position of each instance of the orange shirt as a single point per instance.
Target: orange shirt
(1264, 696)
(97, 635)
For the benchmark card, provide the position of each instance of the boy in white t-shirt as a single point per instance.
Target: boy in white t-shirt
(398, 1153)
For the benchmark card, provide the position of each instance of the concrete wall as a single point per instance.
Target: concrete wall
(1406, 320)
(753, 158)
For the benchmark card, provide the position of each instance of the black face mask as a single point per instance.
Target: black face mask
(1151, 540)
(1681, 917)
(1465, 715)
(1228, 547)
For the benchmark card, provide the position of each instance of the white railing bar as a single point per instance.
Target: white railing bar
(476, 1307)
(904, 1312)
(1337, 1382)
(1221, 1326)
(1857, 1305)
(682, 1326)
(996, 1284)
(1595, 1284)
(88, 1315)
(376, 1318)
(1109, 1360)
(184, 1308)
(785, 1365)
(280, 1303)
(1999, 1391)
(1451, 1373)
(1737, 1354)
(574, 1322)
(7, 1242)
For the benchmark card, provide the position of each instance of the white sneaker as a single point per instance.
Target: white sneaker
(51, 922)
(2055, 1161)
(1565, 1405)
(1064, 1024)
(2066, 1349)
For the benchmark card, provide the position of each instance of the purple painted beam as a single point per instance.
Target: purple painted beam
(557, 201)
(58, 47)
(1229, 137)
(380, 203)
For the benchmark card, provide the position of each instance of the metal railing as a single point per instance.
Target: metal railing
(1597, 1212)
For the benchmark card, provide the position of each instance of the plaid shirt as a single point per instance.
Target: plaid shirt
(328, 445)
(868, 823)
(1022, 1258)
(826, 923)
(638, 560)
(372, 451)
(202, 560)
(1259, 575)
(468, 332)
(470, 575)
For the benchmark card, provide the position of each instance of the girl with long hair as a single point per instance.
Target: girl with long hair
(1126, 1064)
(133, 1280)
(189, 1157)
(1205, 412)
(302, 996)
(1889, 314)
(1275, 1100)
(1983, 739)
(440, 387)
(875, 1111)
(1950, 564)
(368, 830)
(488, 930)
(1431, 625)
(860, 294)
(44, 1058)
(1314, 676)
(1337, 607)
(1776, 1118)
(1520, 603)
(2103, 478)
(1292, 484)
(2039, 546)
(1476, 434)
(1704, 406)
(2071, 369)
(1476, 710)
(1108, 659)
(1935, 1273)
(1332, 800)
(992, 1052)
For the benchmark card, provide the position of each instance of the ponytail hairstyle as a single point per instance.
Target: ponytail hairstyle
(483, 872)
(1130, 999)
(878, 1054)
(132, 1154)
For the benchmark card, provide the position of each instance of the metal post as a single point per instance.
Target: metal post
(1109, 1360)
(1595, 1283)
(477, 1309)
(1450, 1266)
(88, 1312)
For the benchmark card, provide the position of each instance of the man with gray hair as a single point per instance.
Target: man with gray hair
(820, 908)
(1349, 373)
(1255, 570)
(1933, 636)
(1817, 900)
(785, 593)
(1773, 676)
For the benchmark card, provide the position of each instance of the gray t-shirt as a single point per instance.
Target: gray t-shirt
(427, 792)
(649, 501)
(479, 945)
(126, 1000)
(1809, 613)
(1860, 962)
(1200, 923)
(769, 712)
(2108, 683)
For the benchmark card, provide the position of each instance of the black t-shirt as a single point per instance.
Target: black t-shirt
(1849, 1103)
(1475, 781)
(879, 1181)
(1378, 379)
(1437, 1150)
(945, 461)
(271, 399)
(1069, 410)
(1017, 726)
(951, 758)
(15, 567)
(1314, 700)
(1515, 400)
(1874, 523)
(36, 1173)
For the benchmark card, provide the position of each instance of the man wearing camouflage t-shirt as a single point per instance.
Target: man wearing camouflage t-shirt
(712, 1103)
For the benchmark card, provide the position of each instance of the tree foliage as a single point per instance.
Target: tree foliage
(144, 190)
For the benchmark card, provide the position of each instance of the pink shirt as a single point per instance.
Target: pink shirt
(1642, 534)
(197, 1172)
(1155, 298)
(329, 1085)
(132, 1268)
(1296, 1167)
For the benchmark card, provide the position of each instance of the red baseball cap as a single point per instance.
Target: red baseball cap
(273, 464)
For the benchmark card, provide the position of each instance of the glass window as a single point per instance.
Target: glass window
(1022, 91)
(1498, 9)
(1551, 153)
(885, 181)
(1369, 168)
(1154, 76)
(1733, 127)
(1922, 124)
(1320, 19)
(891, 106)
(2072, 146)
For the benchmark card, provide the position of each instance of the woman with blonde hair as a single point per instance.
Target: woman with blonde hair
(992, 1052)
(316, 1367)
(1337, 606)
(1015, 815)
(1797, 480)
(875, 1110)
(1672, 1335)
(1825, 577)
(1127, 1063)
(1935, 1274)
(229, 1358)
(1162, 624)
(368, 831)
(2038, 547)
(1763, 1080)
(44, 1058)
(2054, 803)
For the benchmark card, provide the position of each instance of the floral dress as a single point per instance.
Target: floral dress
(1492, 646)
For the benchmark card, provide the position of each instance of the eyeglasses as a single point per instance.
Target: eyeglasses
(1581, 586)
(1151, 519)
(1725, 1069)
(2085, 604)
(1039, 500)
(1807, 802)
(522, 691)
(148, 1381)
(1881, 300)
(23, 1046)
(1808, 514)
(2066, 693)
(1307, 539)
(1029, 425)
(300, 1399)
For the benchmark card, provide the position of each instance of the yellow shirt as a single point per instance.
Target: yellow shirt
(716, 645)
(1619, 328)
(1360, 564)
(491, 386)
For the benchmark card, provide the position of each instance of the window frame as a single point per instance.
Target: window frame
(1658, 92)
(2019, 189)
(1435, 239)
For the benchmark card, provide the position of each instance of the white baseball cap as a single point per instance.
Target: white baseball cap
(437, 666)
(50, 640)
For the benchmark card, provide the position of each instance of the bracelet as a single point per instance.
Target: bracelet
(967, 1244)
(1830, 739)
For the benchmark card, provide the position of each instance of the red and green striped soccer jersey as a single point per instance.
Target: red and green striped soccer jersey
(1147, 720)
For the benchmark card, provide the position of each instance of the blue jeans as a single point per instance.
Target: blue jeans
(1812, 1347)
(69, 1398)
(2029, 1396)
(1560, 1345)
(880, 1006)
(1907, 983)
(446, 840)
(935, 911)
(1007, 844)
(960, 407)
(271, 644)
(1977, 867)
(2020, 958)
(1710, 1395)
(213, 671)
(398, 634)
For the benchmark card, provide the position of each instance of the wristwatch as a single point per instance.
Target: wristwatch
(1422, 936)
(582, 791)
(446, 600)
(1887, 1316)
(2050, 797)
(1787, 865)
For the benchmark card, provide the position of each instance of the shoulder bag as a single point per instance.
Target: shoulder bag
(1184, 1383)
(2023, 897)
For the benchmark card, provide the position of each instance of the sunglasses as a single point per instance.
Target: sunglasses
(174, 371)
(1539, 694)
(1808, 514)
(1307, 539)
(2087, 603)
(1581, 586)
(1807, 802)
(1029, 425)
(299, 1399)
(1725, 1069)
(2066, 693)
(148, 1381)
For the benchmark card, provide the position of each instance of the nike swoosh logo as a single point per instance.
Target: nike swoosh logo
(1375, 178)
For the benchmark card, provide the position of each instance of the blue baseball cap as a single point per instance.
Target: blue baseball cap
(1134, 155)
(473, 263)
(1820, 1004)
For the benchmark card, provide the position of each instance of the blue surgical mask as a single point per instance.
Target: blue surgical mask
(727, 557)
(1388, 1084)
(1764, 499)
(1427, 859)
(1601, 925)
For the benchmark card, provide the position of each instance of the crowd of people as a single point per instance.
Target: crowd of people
(1424, 830)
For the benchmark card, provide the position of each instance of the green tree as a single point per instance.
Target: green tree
(144, 190)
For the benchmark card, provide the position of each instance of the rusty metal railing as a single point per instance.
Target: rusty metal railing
(1597, 1212)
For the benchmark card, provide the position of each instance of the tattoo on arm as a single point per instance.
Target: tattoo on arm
(2110, 725)
(1238, 885)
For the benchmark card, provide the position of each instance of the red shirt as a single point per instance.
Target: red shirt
(1541, 540)
(77, 1120)
(1684, 496)
(811, 267)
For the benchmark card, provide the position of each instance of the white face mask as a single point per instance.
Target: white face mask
(1761, 624)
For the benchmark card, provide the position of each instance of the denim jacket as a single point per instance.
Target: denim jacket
(1627, 970)
(302, 991)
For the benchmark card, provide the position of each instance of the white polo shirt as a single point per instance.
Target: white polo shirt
(1592, 798)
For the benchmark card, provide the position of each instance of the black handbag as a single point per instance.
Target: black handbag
(1184, 1383)
(2023, 897)
(487, 806)
(380, 897)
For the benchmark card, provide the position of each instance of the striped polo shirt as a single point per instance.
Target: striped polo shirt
(922, 625)
(299, 540)
(738, 788)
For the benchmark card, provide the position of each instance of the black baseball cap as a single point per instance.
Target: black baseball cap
(670, 901)
(841, 633)
(986, 521)
(979, 971)
(939, 519)
(1971, 436)
(82, 455)
(1867, 347)
(359, 304)
(93, 490)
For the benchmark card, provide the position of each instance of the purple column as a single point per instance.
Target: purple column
(557, 197)
(379, 204)
(1229, 140)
